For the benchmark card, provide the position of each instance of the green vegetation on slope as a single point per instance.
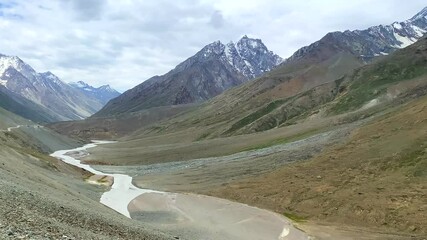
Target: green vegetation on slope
(376, 179)
(372, 81)
(24, 108)
(268, 108)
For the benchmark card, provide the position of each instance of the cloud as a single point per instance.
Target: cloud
(217, 20)
(125, 42)
(87, 10)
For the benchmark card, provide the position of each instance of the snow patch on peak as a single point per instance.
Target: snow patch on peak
(405, 41)
(397, 25)
(215, 48)
(6, 62)
(419, 31)
(107, 88)
(254, 44)
(230, 52)
(50, 77)
(80, 84)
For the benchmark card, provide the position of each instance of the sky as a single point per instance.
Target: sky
(124, 42)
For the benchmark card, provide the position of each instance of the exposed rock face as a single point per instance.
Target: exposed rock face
(372, 42)
(211, 71)
(46, 90)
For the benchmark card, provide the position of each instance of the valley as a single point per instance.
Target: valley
(178, 216)
(233, 142)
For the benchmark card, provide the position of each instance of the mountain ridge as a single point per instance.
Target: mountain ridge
(57, 98)
(374, 41)
(212, 70)
(103, 93)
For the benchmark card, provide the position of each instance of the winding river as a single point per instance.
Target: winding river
(215, 216)
(122, 191)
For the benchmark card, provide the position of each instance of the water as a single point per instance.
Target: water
(122, 191)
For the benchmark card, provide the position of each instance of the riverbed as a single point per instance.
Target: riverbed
(188, 216)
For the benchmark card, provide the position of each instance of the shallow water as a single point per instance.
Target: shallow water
(122, 191)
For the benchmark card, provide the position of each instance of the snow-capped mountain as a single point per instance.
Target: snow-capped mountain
(372, 42)
(103, 93)
(45, 90)
(248, 56)
(214, 69)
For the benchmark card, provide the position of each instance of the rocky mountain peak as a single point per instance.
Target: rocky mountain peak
(372, 42)
(50, 76)
(214, 69)
(215, 48)
(79, 84)
(250, 43)
(16, 63)
(107, 88)
(103, 93)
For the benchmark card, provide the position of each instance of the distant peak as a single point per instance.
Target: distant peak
(47, 73)
(217, 42)
(251, 43)
(246, 38)
(80, 84)
(213, 48)
(107, 86)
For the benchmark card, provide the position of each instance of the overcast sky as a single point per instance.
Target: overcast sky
(124, 42)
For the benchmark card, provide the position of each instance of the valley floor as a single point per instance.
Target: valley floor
(364, 180)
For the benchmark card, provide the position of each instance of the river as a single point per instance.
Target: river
(210, 216)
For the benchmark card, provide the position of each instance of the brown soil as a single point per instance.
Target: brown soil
(376, 180)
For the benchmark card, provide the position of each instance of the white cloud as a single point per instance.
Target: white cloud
(125, 42)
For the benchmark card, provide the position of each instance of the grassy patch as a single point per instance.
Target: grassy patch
(294, 217)
(203, 136)
(285, 140)
(255, 115)
(374, 81)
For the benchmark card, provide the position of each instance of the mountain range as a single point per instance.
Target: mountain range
(214, 69)
(332, 138)
(46, 93)
(372, 42)
(103, 93)
(218, 67)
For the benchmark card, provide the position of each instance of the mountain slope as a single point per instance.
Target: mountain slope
(45, 90)
(103, 93)
(372, 42)
(45, 198)
(211, 71)
(243, 110)
(24, 107)
(279, 94)
(384, 146)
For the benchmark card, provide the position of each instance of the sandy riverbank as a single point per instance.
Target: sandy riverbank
(191, 216)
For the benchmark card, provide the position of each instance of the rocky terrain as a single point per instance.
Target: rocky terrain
(365, 181)
(43, 198)
(211, 71)
(372, 42)
(44, 96)
(333, 138)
